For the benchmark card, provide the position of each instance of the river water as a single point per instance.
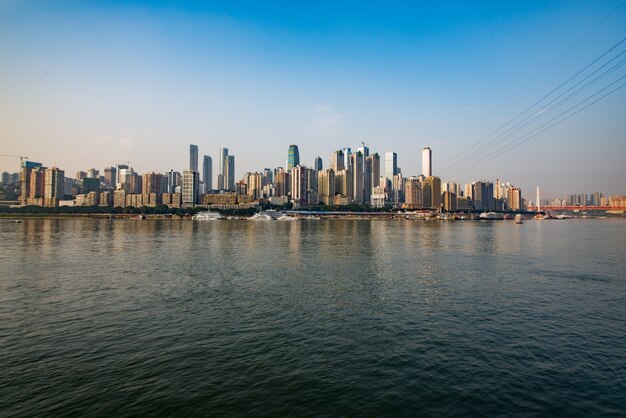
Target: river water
(312, 317)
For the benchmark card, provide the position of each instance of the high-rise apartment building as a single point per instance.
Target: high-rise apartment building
(54, 186)
(26, 173)
(515, 199)
(326, 185)
(191, 181)
(193, 157)
(413, 193)
(293, 157)
(207, 173)
(282, 183)
(427, 162)
(254, 185)
(298, 186)
(483, 195)
(357, 177)
(152, 183)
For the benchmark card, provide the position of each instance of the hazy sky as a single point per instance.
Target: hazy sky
(87, 84)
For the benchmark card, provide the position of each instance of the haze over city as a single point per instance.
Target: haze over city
(89, 85)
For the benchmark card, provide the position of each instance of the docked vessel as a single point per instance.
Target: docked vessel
(490, 216)
(207, 216)
(261, 216)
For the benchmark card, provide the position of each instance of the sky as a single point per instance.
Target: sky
(92, 83)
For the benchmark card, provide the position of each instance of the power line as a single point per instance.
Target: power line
(472, 149)
(544, 127)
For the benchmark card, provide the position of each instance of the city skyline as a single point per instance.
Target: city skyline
(323, 78)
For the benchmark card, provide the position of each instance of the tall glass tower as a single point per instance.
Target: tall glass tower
(293, 157)
(193, 157)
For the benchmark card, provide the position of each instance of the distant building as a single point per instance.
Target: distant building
(413, 193)
(427, 162)
(293, 157)
(357, 177)
(26, 174)
(207, 173)
(391, 165)
(326, 185)
(229, 178)
(193, 157)
(191, 180)
(54, 187)
(483, 196)
(317, 164)
(337, 161)
(282, 183)
(110, 177)
(298, 186)
(449, 201)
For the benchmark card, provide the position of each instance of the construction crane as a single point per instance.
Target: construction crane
(21, 157)
(365, 144)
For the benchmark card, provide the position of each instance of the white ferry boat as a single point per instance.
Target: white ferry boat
(261, 216)
(207, 216)
(491, 216)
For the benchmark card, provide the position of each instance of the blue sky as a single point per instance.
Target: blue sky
(87, 84)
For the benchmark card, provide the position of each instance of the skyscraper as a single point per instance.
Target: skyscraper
(427, 162)
(193, 157)
(191, 181)
(337, 162)
(318, 165)
(207, 173)
(293, 157)
(371, 175)
(110, 176)
(223, 157)
(391, 165)
(357, 177)
(347, 152)
(229, 177)
(54, 180)
(298, 186)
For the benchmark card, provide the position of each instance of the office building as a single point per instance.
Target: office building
(337, 162)
(427, 162)
(293, 157)
(193, 157)
(317, 164)
(229, 177)
(207, 173)
(110, 177)
(223, 159)
(391, 165)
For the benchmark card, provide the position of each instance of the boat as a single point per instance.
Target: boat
(207, 216)
(491, 216)
(518, 219)
(261, 216)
